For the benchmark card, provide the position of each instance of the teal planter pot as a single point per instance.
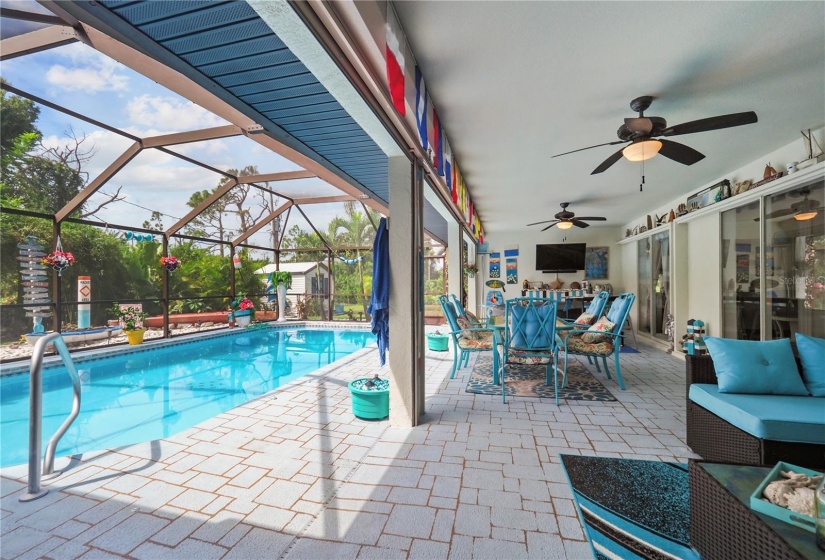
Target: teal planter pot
(369, 404)
(437, 342)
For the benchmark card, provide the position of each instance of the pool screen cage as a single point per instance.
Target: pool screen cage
(158, 216)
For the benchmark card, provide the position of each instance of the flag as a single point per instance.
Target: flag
(448, 172)
(395, 63)
(421, 107)
(438, 159)
(454, 190)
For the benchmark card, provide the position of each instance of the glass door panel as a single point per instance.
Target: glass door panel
(794, 268)
(660, 266)
(741, 273)
(645, 297)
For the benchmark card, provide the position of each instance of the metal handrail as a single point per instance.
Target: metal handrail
(36, 412)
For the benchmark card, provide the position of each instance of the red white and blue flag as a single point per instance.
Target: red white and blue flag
(448, 159)
(395, 63)
(421, 101)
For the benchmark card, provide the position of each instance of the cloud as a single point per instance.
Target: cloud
(89, 71)
(170, 114)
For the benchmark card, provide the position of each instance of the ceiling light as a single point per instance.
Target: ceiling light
(640, 151)
(565, 225)
(802, 216)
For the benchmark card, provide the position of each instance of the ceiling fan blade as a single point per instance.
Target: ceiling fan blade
(551, 225)
(640, 124)
(596, 146)
(712, 123)
(537, 223)
(608, 162)
(592, 218)
(579, 223)
(781, 213)
(680, 152)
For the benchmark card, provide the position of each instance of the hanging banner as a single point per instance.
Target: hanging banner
(395, 63)
(511, 251)
(495, 265)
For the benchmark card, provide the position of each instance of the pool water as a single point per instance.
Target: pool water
(157, 393)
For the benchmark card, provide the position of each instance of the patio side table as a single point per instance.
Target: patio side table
(723, 527)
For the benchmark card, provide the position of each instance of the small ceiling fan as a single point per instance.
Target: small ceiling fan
(642, 132)
(566, 219)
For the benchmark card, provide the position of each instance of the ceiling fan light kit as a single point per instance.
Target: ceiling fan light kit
(641, 133)
(641, 151)
(564, 225)
(567, 219)
(803, 216)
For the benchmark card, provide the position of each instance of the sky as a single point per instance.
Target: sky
(81, 79)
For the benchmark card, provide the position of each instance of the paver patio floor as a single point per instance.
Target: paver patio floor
(294, 475)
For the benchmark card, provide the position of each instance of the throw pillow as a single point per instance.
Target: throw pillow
(599, 332)
(812, 356)
(464, 324)
(585, 319)
(471, 317)
(755, 367)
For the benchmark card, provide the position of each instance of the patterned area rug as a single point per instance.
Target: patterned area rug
(631, 508)
(529, 381)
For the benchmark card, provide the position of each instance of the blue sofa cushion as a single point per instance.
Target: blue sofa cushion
(812, 356)
(765, 367)
(775, 417)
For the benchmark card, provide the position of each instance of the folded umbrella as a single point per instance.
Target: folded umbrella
(379, 307)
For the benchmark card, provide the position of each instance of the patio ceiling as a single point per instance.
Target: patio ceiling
(227, 49)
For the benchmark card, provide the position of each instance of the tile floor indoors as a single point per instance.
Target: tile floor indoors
(294, 475)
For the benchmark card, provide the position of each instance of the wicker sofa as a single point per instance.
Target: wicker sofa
(716, 439)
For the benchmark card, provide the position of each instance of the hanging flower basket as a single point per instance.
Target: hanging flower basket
(170, 263)
(58, 260)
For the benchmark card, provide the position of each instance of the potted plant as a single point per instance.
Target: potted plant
(58, 260)
(282, 279)
(132, 319)
(243, 310)
(471, 270)
(170, 263)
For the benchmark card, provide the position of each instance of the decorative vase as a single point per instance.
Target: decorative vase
(370, 403)
(243, 317)
(281, 302)
(136, 336)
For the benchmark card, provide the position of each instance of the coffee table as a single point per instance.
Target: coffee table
(722, 525)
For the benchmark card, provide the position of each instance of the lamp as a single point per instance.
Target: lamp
(565, 225)
(640, 151)
(802, 216)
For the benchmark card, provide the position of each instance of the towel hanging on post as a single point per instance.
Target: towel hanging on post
(379, 307)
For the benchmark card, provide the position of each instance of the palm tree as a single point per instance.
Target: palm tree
(356, 230)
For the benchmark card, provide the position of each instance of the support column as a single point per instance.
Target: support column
(472, 283)
(406, 356)
(454, 267)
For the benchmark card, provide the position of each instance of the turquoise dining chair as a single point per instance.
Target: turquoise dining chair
(459, 309)
(530, 338)
(596, 307)
(467, 339)
(581, 343)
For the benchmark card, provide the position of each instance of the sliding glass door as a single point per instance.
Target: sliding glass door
(776, 288)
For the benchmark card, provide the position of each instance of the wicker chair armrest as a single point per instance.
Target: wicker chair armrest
(699, 369)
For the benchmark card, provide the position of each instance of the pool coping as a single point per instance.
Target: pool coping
(82, 356)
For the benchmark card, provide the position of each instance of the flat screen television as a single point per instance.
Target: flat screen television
(560, 257)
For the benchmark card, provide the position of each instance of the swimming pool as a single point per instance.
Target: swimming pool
(155, 393)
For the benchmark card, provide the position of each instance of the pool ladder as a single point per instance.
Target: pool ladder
(36, 413)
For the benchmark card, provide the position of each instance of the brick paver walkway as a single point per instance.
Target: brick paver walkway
(294, 475)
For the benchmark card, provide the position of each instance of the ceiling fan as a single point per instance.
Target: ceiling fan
(642, 132)
(566, 219)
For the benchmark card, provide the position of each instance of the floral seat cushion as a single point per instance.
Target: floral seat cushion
(578, 345)
(527, 358)
(478, 340)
